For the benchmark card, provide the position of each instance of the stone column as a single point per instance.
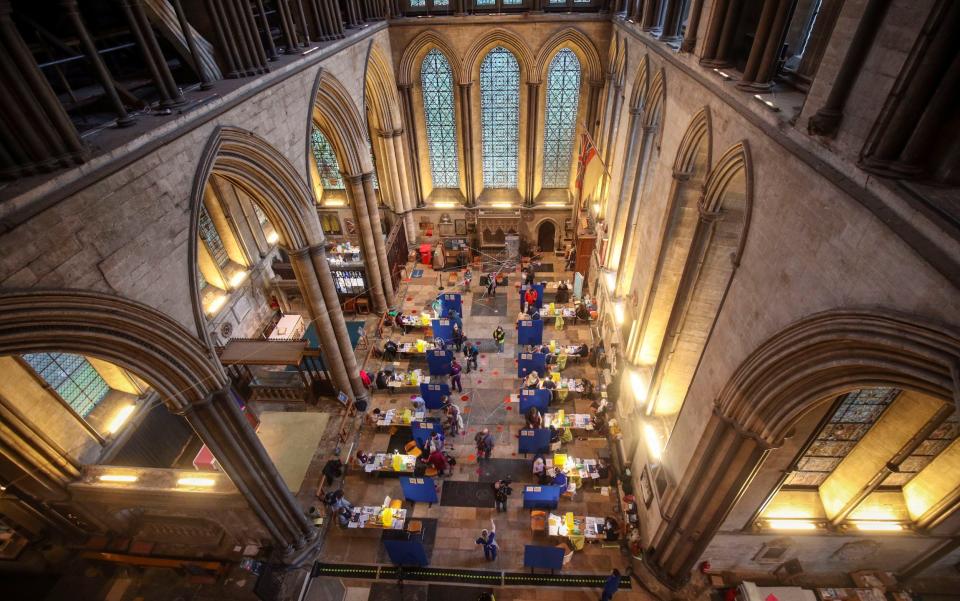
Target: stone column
(817, 44)
(406, 101)
(650, 19)
(309, 283)
(361, 214)
(265, 23)
(628, 261)
(533, 112)
(337, 327)
(287, 27)
(723, 25)
(226, 432)
(466, 129)
(693, 24)
(671, 21)
(694, 508)
(379, 238)
(610, 145)
(408, 223)
(391, 171)
(153, 55)
(594, 88)
(827, 119)
(762, 61)
(618, 225)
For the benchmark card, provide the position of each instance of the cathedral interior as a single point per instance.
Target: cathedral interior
(352, 300)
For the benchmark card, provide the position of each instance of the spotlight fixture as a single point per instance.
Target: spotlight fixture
(196, 482)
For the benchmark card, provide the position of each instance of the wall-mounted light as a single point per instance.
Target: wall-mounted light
(196, 482)
(610, 279)
(235, 274)
(878, 526)
(335, 203)
(640, 383)
(791, 524)
(596, 208)
(213, 299)
(770, 105)
(273, 237)
(654, 444)
(501, 205)
(120, 418)
(444, 205)
(121, 478)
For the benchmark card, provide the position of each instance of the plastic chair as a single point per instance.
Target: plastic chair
(430, 472)
(538, 521)
(411, 448)
(396, 504)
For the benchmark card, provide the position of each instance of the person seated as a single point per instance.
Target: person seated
(434, 443)
(583, 350)
(398, 322)
(533, 379)
(582, 313)
(554, 434)
(539, 468)
(382, 379)
(418, 403)
(390, 350)
(363, 458)
(333, 469)
(559, 478)
(534, 313)
(439, 463)
(534, 419)
(565, 435)
(373, 417)
(611, 529)
(563, 293)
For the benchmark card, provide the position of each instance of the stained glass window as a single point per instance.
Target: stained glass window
(211, 237)
(500, 118)
(72, 376)
(438, 112)
(326, 160)
(851, 420)
(560, 124)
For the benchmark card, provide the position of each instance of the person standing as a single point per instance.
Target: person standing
(501, 491)
(499, 336)
(472, 351)
(488, 538)
(492, 285)
(611, 586)
(530, 298)
(484, 442)
(457, 337)
(454, 419)
(455, 370)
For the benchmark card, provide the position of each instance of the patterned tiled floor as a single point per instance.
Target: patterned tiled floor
(484, 393)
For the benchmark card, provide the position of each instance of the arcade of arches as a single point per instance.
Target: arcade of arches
(231, 232)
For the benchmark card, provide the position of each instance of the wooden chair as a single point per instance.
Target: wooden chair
(430, 472)
(363, 306)
(538, 521)
(415, 527)
(350, 306)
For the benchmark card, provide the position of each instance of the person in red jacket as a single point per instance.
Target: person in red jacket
(439, 462)
(530, 297)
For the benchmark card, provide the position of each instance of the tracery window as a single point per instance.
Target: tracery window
(500, 118)
(560, 124)
(438, 112)
(326, 161)
(211, 237)
(73, 377)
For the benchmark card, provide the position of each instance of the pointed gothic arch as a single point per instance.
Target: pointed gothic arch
(638, 92)
(498, 37)
(409, 70)
(337, 116)
(581, 45)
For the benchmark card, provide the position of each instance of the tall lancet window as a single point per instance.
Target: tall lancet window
(326, 160)
(500, 118)
(560, 124)
(436, 82)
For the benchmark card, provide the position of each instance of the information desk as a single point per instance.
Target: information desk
(548, 558)
(416, 349)
(398, 417)
(407, 379)
(575, 468)
(536, 397)
(384, 463)
(576, 528)
(415, 321)
(533, 440)
(372, 517)
(574, 421)
(541, 497)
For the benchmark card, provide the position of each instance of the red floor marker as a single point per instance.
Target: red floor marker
(509, 408)
(465, 398)
(481, 369)
(499, 428)
(483, 356)
(506, 399)
(496, 372)
(514, 454)
(409, 298)
(414, 311)
(479, 381)
(471, 458)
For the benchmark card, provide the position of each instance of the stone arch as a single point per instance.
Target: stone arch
(381, 92)
(497, 37)
(334, 112)
(699, 134)
(655, 101)
(790, 374)
(735, 163)
(131, 335)
(409, 70)
(638, 94)
(617, 60)
(556, 230)
(580, 44)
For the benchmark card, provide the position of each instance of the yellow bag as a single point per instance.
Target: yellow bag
(559, 459)
(421, 345)
(397, 463)
(560, 416)
(406, 416)
(553, 346)
(386, 517)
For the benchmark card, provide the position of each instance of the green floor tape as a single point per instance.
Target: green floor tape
(484, 577)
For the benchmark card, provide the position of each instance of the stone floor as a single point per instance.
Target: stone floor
(483, 404)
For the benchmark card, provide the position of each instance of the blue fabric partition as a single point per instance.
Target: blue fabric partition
(534, 440)
(443, 328)
(407, 552)
(422, 490)
(540, 288)
(433, 393)
(537, 397)
(541, 497)
(530, 331)
(528, 362)
(422, 431)
(548, 558)
(449, 301)
(439, 362)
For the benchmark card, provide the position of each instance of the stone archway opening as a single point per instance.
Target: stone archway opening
(547, 236)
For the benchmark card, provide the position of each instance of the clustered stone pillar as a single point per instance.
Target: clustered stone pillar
(618, 224)
(379, 238)
(142, 31)
(720, 32)
(238, 41)
(827, 119)
(609, 125)
(351, 8)
(917, 133)
(187, 32)
(466, 123)
(533, 112)
(361, 211)
(406, 100)
(820, 35)
(693, 24)
(36, 134)
(229, 436)
(328, 21)
(594, 91)
(393, 146)
(629, 241)
(650, 18)
(762, 60)
(671, 21)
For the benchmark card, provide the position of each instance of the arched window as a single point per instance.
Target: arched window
(73, 377)
(436, 82)
(326, 160)
(560, 124)
(500, 118)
